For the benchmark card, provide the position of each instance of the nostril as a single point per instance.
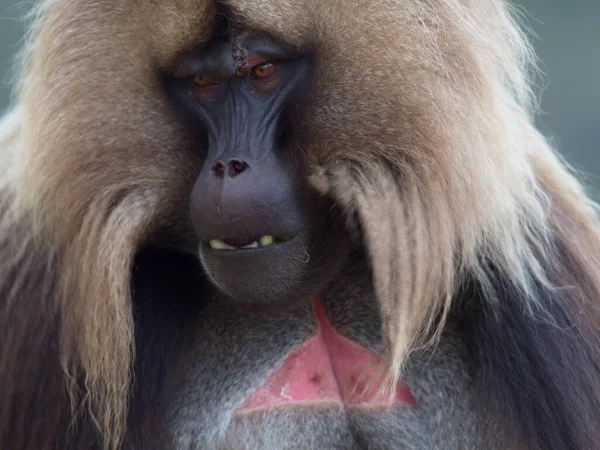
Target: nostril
(236, 167)
(219, 169)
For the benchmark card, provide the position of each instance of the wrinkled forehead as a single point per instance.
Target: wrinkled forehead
(177, 26)
(233, 53)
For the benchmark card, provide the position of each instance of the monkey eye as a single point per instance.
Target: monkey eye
(263, 71)
(206, 81)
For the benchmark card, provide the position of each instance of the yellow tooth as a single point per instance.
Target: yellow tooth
(218, 244)
(266, 241)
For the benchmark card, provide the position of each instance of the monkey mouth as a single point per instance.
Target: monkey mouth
(232, 244)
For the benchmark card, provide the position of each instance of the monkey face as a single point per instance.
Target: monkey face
(265, 237)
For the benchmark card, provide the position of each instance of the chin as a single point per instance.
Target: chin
(274, 271)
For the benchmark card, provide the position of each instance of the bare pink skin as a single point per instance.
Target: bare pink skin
(327, 369)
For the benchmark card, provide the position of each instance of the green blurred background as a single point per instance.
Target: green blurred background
(568, 43)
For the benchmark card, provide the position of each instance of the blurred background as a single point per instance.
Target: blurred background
(567, 38)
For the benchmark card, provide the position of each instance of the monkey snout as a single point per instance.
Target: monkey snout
(241, 199)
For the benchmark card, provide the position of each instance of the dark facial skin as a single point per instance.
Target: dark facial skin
(265, 237)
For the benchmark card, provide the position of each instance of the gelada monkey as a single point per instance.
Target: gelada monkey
(265, 224)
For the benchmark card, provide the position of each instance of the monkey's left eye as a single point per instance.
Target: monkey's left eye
(263, 71)
(207, 81)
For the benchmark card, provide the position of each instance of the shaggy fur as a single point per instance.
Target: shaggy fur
(436, 159)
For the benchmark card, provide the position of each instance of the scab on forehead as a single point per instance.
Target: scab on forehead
(247, 50)
(239, 52)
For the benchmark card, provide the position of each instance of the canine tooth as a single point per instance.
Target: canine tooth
(252, 245)
(218, 244)
(266, 240)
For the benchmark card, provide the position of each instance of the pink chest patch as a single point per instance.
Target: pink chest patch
(327, 368)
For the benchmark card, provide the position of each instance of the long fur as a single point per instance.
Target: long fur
(421, 126)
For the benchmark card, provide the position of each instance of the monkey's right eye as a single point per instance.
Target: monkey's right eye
(207, 81)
